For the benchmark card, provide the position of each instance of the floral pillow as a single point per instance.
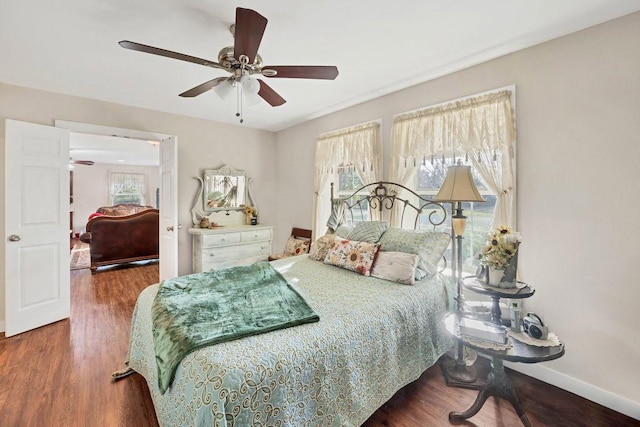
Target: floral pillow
(396, 266)
(368, 231)
(296, 246)
(353, 255)
(321, 247)
(428, 245)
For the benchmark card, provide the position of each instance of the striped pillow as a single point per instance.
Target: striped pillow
(368, 231)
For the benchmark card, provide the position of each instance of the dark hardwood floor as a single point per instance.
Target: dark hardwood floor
(60, 374)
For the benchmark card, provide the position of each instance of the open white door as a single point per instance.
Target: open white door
(37, 226)
(168, 208)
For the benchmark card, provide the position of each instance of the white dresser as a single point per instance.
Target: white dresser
(229, 246)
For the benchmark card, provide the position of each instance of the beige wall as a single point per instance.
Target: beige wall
(578, 122)
(202, 144)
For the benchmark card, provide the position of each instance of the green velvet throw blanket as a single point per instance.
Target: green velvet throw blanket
(190, 312)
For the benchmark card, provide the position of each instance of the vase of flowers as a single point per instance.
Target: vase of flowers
(500, 255)
(251, 214)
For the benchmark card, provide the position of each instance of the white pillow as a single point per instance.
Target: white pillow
(428, 245)
(396, 266)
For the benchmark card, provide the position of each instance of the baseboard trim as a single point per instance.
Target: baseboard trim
(588, 391)
(1, 325)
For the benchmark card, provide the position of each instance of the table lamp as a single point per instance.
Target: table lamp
(458, 187)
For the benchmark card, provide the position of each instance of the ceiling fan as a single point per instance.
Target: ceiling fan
(81, 162)
(242, 61)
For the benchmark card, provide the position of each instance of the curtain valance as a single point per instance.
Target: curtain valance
(482, 122)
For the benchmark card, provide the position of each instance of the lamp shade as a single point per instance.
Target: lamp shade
(250, 89)
(458, 186)
(225, 90)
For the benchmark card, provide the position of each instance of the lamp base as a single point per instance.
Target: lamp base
(460, 375)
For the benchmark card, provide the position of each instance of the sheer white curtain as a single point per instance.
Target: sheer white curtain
(127, 180)
(358, 147)
(478, 128)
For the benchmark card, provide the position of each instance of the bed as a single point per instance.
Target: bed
(374, 337)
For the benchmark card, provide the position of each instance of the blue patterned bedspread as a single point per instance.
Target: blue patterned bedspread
(373, 338)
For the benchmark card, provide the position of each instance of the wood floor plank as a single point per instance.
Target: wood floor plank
(60, 374)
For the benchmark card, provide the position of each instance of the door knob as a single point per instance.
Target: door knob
(14, 238)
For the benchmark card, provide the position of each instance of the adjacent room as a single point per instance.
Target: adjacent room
(319, 214)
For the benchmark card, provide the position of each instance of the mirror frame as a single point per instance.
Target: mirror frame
(224, 171)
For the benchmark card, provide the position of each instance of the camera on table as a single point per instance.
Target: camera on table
(533, 326)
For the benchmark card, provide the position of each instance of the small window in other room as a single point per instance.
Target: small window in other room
(127, 188)
(128, 196)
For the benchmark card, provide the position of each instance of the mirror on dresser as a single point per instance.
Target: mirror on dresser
(224, 188)
(223, 198)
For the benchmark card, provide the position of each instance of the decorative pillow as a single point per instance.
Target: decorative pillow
(428, 245)
(343, 230)
(95, 214)
(353, 255)
(368, 231)
(396, 266)
(321, 247)
(296, 246)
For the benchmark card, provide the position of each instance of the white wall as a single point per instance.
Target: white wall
(578, 124)
(91, 188)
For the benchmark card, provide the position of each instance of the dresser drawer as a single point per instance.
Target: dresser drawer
(255, 235)
(228, 247)
(220, 239)
(237, 252)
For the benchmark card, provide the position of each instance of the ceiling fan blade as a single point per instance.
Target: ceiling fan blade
(168, 54)
(84, 162)
(200, 89)
(250, 26)
(325, 72)
(270, 95)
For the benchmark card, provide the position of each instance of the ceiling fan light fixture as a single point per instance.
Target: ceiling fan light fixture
(225, 90)
(250, 89)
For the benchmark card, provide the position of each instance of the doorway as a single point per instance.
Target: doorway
(122, 142)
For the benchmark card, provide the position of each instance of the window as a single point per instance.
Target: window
(128, 196)
(346, 157)
(479, 129)
(349, 181)
(127, 188)
(430, 177)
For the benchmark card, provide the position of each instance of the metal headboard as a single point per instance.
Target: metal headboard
(381, 200)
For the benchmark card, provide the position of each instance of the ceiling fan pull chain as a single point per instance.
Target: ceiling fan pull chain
(239, 101)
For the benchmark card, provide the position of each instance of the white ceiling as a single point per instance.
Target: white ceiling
(113, 150)
(71, 47)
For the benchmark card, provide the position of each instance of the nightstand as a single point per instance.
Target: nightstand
(498, 383)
